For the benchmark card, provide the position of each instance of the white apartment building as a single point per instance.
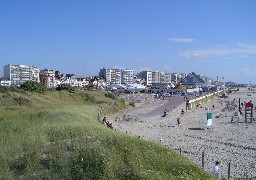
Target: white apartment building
(166, 77)
(156, 77)
(127, 76)
(19, 74)
(112, 76)
(147, 76)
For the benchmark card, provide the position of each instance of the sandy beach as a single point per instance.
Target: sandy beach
(233, 143)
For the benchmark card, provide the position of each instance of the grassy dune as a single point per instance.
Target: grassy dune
(57, 135)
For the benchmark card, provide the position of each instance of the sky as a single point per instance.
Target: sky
(215, 38)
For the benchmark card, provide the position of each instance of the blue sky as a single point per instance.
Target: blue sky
(209, 37)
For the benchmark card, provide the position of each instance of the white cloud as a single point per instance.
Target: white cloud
(221, 50)
(180, 40)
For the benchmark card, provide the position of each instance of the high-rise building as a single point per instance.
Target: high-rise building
(47, 78)
(156, 77)
(166, 77)
(112, 76)
(147, 76)
(19, 74)
(127, 76)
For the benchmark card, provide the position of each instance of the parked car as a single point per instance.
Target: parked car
(166, 94)
(183, 94)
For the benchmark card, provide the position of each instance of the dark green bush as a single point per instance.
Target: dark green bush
(110, 95)
(33, 87)
(65, 87)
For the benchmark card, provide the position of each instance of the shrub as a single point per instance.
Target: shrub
(33, 87)
(132, 104)
(65, 87)
(122, 104)
(110, 95)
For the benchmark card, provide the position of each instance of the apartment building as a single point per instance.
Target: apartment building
(166, 77)
(176, 77)
(156, 77)
(127, 76)
(47, 78)
(112, 76)
(147, 76)
(19, 74)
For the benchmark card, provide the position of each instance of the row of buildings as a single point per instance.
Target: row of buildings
(14, 75)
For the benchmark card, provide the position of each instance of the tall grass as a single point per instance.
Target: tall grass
(57, 136)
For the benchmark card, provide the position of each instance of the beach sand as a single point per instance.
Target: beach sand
(227, 142)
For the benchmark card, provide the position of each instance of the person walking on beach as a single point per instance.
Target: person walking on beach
(178, 122)
(165, 112)
(216, 170)
(104, 120)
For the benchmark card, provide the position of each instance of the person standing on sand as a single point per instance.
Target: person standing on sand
(216, 170)
(178, 122)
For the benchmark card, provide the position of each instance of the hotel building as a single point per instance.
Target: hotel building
(19, 74)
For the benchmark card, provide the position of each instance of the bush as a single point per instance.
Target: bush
(132, 104)
(110, 95)
(33, 87)
(65, 87)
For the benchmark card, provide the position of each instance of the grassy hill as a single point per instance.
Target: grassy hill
(57, 135)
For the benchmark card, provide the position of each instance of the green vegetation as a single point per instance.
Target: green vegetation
(65, 87)
(33, 87)
(56, 135)
(132, 104)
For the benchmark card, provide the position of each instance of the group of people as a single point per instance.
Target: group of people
(178, 119)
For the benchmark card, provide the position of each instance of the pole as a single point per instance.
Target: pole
(98, 116)
(229, 170)
(203, 159)
(224, 87)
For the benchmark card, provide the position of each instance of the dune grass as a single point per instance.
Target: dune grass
(56, 135)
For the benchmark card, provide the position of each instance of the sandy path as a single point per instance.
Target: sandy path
(224, 141)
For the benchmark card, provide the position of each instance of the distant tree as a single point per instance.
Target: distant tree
(65, 87)
(33, 87)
